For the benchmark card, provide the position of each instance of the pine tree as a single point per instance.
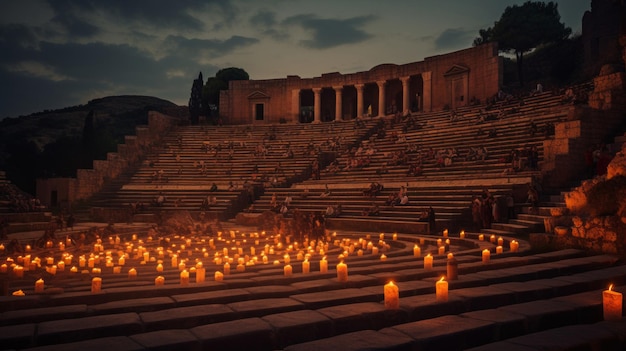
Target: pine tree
(195, 100)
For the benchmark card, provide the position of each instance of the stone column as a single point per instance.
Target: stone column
(381, 98)
(405, 94)
(317, 109)
(427, 95)
(359, 100)
(338, 109)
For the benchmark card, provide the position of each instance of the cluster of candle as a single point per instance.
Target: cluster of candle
(181, 252)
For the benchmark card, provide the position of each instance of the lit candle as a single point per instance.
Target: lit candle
(61, 266)
(184, 278)
(74, 269)
(159, 268)
(117, 269)
(82, 262)
(181, 266)
(342, 272)
(287, 259)
(96, 285)
(323, 265)
(219, 276)
(4, 268)
(445, 233)
(417, 252)
(91, 262)
(174, 261)
(39, 286)
(492, 238)
(392, 296)
(612, 304)
(159, 281)
(500, 241)
(481, 237)
(306, 266)
(200, 273)
(383, 257)
(441, 290)
(428, 262)
(486, 256)
(132, 273)
(375, 250)
(287, 270)
(442, 250)
(395, 236)
(514, 246)
(462, 234)
(226, 268)
(498, 249)
(18, 271)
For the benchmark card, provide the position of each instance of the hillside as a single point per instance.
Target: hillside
(45, 127)
(25, 139)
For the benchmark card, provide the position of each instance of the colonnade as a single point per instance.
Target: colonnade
(360, 89)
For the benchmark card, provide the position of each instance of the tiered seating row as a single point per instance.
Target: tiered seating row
(313, 318)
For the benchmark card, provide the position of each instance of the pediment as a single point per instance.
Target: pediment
(456, 69)
(258, 95)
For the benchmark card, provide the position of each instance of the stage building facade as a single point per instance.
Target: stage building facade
(444, 81)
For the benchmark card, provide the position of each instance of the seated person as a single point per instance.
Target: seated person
(373, 210)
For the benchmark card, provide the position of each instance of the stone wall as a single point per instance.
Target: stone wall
(478, 67)
(600, 34)
(90, 181)
(585, 126)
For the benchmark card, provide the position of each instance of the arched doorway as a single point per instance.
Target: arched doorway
(307, 100)
(348, 102)
(328, 105)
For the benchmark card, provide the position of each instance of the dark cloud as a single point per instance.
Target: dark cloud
(59, 75)
(455, 38)
(180, 14)
(181, 46)
(76, 27)
(266, 22)
(18, 35)
(328, 33)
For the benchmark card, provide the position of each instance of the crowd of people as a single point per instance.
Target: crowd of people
(18, 201)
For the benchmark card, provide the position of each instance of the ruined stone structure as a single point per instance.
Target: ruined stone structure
(449, 80)
(64, 191)
(600, 36)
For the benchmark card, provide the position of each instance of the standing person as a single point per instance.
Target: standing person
(70, 221)
(432, 224)
(510, 206)
(476, 213)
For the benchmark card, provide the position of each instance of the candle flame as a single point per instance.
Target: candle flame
(610, 287)
(441, 279)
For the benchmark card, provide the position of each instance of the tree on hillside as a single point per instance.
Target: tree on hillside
(195, 100)
(213, 86)
(520, 29)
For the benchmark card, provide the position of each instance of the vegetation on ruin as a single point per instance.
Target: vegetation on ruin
(524, 28)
